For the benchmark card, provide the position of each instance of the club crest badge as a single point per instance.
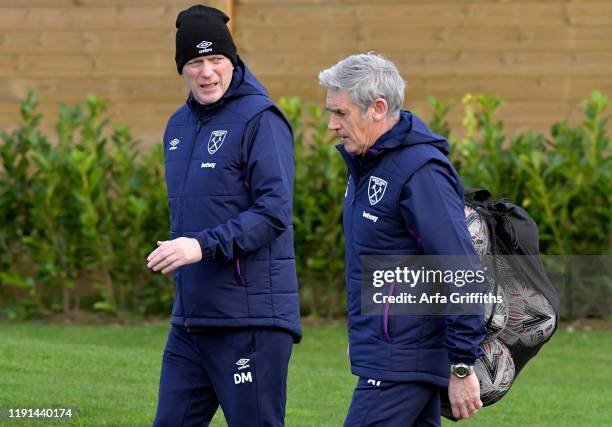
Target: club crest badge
(376, 189)
(216, 140)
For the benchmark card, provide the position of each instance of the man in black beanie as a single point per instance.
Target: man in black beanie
(229, 174)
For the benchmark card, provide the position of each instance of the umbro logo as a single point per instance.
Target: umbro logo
(174, 144)
(243, 363)
(204, 46)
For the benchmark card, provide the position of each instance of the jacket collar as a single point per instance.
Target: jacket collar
(408, 131)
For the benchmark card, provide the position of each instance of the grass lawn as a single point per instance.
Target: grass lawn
(110, 374)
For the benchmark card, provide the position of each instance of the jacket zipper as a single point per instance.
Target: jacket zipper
(182, 207)
(356, 182)
(247, 186)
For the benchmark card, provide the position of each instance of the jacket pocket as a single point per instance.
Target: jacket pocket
(239, 272)
(387, 317)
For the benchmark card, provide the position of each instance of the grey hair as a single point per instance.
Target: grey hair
(366, 77)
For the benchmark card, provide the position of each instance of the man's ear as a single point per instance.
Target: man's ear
(379, 109)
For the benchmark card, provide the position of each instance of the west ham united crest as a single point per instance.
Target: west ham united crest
(216, 140)
(376, 189)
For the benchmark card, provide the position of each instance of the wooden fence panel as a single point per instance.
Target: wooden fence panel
(122, 50)
(542, 56)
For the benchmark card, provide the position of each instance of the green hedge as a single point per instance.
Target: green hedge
(564, 181)
(79, 215)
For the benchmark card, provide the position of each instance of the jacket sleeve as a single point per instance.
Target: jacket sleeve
(432, 207)
(270, 183)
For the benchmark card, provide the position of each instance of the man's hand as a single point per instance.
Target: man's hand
(172, 254)
(464, 395)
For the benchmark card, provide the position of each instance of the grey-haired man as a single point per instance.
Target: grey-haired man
(404, 197)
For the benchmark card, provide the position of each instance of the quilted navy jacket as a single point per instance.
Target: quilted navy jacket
(229, 175)
(404, 197)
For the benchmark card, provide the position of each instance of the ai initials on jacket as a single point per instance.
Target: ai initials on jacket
(376, 189)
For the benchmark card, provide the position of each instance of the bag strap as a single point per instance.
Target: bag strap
(477, 194)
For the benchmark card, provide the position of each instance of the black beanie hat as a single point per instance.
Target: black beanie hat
(201, 31)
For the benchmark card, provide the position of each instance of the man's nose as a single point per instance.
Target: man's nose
(333, 124)
(206, 70)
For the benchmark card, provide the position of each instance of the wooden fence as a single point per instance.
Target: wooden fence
(541, 56)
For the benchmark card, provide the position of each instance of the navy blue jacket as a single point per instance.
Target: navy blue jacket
(419, 212)
(229, 174)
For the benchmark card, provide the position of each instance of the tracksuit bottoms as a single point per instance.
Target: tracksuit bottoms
(242, 370)
(389, 404)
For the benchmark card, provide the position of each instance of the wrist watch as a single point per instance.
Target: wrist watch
(461, 370)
